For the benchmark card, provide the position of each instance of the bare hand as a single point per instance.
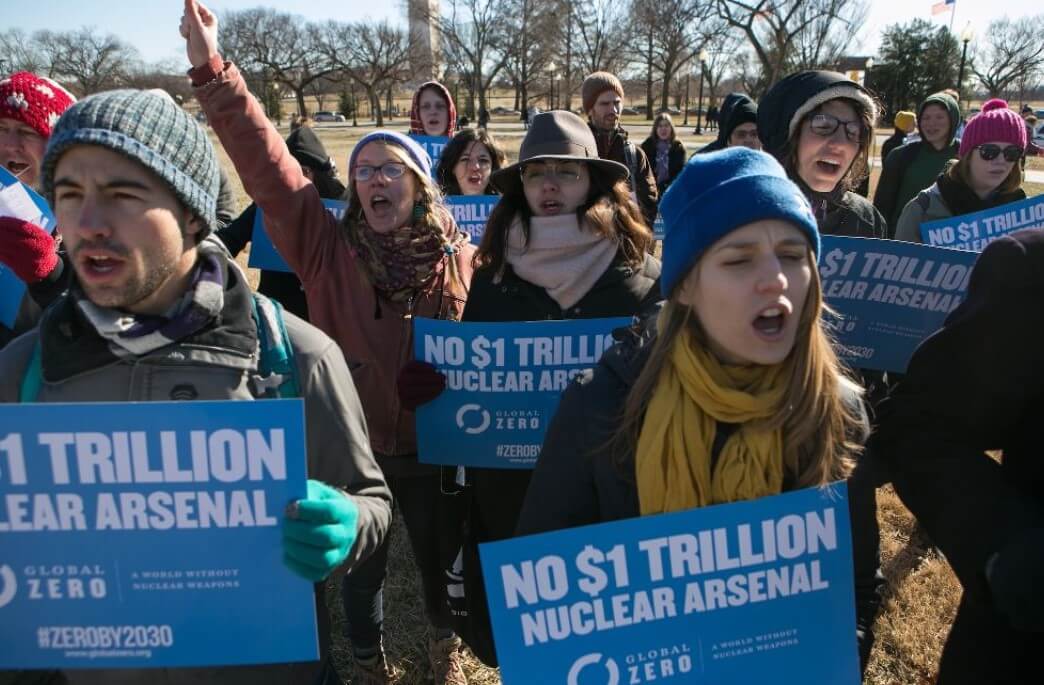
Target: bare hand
(199, 29)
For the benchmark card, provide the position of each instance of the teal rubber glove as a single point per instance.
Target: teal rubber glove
(319, 531)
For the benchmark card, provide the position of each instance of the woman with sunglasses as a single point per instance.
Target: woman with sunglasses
(818, 124)
(396, 254)
(986, 174)
(467, 163)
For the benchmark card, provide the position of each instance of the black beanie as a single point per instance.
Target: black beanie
(745, 112)
(307, 149)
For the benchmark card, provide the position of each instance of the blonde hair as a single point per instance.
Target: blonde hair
(819, 424)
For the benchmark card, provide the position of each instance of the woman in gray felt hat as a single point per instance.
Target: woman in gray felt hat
(566, 241)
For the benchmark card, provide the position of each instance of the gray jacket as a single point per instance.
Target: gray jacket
(927, 205)
(218, 363)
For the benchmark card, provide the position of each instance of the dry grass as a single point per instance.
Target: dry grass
(921, 596)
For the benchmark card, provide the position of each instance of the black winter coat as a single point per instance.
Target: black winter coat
(976, 385)
(675, 160)
(496, 495)
(579, 480)
(853, 215)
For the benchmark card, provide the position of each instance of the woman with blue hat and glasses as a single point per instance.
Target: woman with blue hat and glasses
(734, 393)
(396, 254)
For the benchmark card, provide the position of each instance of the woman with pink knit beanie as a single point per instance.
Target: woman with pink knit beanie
(986, 174)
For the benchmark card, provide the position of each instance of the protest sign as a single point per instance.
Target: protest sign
(147, 534)
(890, 296)
(471, 212)
(659, 228)
(21, 201)
(752, 592)
(503, 384)
(263, 254)
(975, 231)
(433, 145)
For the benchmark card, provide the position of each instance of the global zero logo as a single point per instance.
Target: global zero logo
(593, 659)
(8, 585)
(467, 423)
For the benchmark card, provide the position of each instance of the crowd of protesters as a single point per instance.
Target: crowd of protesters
(726, 387)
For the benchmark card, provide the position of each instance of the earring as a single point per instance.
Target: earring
(418, 211)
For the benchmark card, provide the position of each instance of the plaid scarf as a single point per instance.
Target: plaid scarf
(132, 335)
(404, 261)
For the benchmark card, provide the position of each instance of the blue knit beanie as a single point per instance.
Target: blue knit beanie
(412, 148)
(719, 192)
(150, 128)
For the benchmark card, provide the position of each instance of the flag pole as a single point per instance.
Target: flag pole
(953, 12)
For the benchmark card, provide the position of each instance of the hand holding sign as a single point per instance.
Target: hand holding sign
(27, 249)
(319, 531)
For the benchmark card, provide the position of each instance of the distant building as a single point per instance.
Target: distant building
(425, 52)
(855, 68)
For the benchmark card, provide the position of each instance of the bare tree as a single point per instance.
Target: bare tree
(87, 60)
(168, 76)
(831, 28)
(1013, 50)
(671, 40)
(722, 43)
(784, 34)
(601, 34)
(376, 55)
(19, 53)
(531, 29)
(282, 46)
(476, 42)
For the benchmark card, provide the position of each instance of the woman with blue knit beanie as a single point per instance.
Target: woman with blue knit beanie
(735, 389)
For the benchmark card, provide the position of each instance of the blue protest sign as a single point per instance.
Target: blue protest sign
(975, 231)
(752, 592)
(148, 534)
(263, 254)
(659, 228)
(433, 145)
(18, 200)
(890, 296)
(503, 383)
(471, 212)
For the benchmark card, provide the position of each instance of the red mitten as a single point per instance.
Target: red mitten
(419, 383)
(27, 249)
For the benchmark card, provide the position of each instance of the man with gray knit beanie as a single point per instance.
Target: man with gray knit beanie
(156, 311)
(602, 96)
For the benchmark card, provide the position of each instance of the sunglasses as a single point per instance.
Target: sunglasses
(390, 170)
(1012, 153)
(825, 124)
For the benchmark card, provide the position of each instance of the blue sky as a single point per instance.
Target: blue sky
(151, 26)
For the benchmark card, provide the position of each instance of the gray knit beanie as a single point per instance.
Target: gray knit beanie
(150, 128)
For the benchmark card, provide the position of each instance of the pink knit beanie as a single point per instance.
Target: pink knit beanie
(994, 123)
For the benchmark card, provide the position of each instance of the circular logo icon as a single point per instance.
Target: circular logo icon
(462, 421)
(8, 585)
(612, 671)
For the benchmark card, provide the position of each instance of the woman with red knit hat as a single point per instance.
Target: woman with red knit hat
(985, 175)
(432, 112)
(30, 105)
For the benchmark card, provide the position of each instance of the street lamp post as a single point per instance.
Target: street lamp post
(966, 37)
(355, 106)
(685, 122)
(699, 106)
(551, 69)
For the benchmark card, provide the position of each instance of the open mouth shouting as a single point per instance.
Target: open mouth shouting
(770, 322)
(15, 167)
(829, 167)
(98, 265)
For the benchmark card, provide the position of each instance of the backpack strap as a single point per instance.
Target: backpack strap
(32, 378)
(631, 157)
(277, 373)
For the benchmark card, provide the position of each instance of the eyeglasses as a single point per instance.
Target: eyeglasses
(1012, 153)
(825, 124)
(390, 170)
(565, 174)
(481, 162)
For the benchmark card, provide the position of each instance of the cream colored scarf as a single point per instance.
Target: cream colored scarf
(560, 256)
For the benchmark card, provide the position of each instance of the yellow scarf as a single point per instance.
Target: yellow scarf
(694, 392)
